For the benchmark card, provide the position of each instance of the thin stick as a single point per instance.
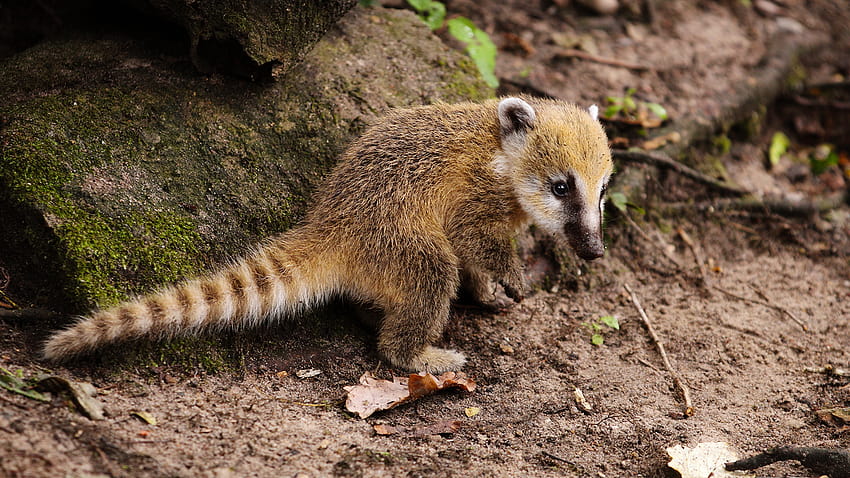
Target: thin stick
(573, 53)
(683, 389)
(662, 160)
(648, 239)
(31, 314)
(781, 310)
(555, 457)
(697, 257)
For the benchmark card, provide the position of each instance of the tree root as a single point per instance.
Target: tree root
(824, 461)
(780, 206)
(664, 161)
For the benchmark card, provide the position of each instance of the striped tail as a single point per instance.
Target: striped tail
(278, 280)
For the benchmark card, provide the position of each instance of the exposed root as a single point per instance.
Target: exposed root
(663, 161)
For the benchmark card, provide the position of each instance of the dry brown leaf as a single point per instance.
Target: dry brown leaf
(659, 141)
(82, 393)
(373, 394)
(837, 417)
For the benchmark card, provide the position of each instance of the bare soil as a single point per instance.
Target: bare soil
(755, 375)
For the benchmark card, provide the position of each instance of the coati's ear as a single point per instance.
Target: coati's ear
(594, 111)
(516, 117)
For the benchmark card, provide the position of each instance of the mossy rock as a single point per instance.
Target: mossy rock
(123, 169)
(251, 38)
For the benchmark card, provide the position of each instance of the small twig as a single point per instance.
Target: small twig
(573, 53)
(648, 239)
(34, 314)
(683, 389)
(555, 457)
(697, 257)
(662, 160)
(644, 362)
(781, 310)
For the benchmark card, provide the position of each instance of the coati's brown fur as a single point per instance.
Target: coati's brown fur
(426, 196)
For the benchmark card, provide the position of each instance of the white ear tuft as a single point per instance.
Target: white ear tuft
(594, 112)
(515, 116)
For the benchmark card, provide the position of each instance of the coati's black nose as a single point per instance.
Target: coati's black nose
(591, 251)
(587, 244)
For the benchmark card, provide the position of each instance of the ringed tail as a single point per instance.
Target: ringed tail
(279, 279)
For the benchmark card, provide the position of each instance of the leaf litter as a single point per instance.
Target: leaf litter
(373, 394)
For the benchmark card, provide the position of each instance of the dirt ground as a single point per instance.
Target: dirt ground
(755, 375)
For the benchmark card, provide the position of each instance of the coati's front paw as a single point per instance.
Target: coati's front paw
(514, 291)
(432, 359)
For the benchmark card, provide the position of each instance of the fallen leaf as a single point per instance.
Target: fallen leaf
(282, 373)
(373, 394)
(144, 433)
(659, 141)
(145, 417)
(704, 460)
(385, 429)
(506, 349)
(472, 411)
(307, 372)
(837, 417)
(442, 427)
(15, 383)
(82, 393)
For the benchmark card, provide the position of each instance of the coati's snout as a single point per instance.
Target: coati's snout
(587, 244)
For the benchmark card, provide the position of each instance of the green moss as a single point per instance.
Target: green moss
(464, 83)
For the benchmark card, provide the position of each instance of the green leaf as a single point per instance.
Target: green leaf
(657, 110)
(778, 145)
(434, 15)
(612, 111)
(14, 382)
(618, 200)
(610, 321)
(479, 47)
(629, 104)
(462, 29)
(597, 339)
(819, 166)
(419, 5)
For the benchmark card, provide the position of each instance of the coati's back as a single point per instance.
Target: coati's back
(412, 163)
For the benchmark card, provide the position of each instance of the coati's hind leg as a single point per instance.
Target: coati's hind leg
(416, 320)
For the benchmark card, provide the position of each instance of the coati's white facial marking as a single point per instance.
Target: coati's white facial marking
(594, 112)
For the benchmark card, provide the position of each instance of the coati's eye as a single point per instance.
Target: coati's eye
(560, 189)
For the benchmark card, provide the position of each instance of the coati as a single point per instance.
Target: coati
(426, 197)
